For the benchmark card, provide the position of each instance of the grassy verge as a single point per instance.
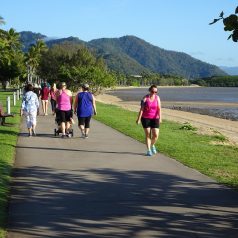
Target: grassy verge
(176, 141)
(8, 139)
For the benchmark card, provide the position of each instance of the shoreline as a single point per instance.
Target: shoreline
(205, 124)
(167, 86)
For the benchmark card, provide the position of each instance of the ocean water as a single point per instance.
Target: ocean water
(215, 101)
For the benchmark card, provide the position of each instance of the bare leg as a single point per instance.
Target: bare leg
(34, 130)
(155, 135)
(63, 127)
(86, 131)
(148, 138)
(30, 131)
(43, 106)
(82, 129)
(67, 126)
(46, 107)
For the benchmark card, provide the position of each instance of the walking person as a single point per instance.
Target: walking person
(84, 107)
(45, 93)
(150, 117)
(37, 91)
(64, 102)
(53, 90)
(29, 107)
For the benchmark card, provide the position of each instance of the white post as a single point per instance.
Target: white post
(14, 99)
(18, 94)
(8, 105)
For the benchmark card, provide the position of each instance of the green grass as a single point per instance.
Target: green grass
(204, 153)
(8, 139)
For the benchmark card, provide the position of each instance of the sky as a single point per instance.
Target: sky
(178, 25)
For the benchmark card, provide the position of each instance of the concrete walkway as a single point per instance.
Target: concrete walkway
(105, 187)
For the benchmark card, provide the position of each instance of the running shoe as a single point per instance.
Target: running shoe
(153, 149)
(86, 136)
(149, 153)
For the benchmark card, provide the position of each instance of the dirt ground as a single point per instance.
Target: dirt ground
(204, 124)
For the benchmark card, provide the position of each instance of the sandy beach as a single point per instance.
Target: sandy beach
(205, 124)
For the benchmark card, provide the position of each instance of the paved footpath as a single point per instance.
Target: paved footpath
(105, 187)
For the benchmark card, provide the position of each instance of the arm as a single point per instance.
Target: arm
(94, 105)
(76, 103)
(159, 110)
(22, 106)
(71, 98)
(37, 102)
(141, 111)
(57, 95)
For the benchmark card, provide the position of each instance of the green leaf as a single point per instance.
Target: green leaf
(234, 38)
(229, 37)
(221, 14)
(236, 11)
(214, 21)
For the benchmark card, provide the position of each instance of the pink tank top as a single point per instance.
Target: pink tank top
(151, 109)
(63, 102)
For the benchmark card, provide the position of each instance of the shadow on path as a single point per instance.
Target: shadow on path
(77, 150)
(104, 203)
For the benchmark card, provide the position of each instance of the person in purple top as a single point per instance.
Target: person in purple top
(84, 107)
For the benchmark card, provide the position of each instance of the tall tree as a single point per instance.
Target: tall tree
(33, 57)
(11, 60)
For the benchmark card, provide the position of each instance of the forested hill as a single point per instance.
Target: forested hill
(28, 38)
(132, 55)
(154, 58)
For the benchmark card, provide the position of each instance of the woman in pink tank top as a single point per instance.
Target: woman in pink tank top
(64, 108)
(150, 117)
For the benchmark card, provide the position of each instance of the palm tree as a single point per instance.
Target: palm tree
(33, 58)
(11, 54)
(13, 39)
(2, 32)
(41, 46)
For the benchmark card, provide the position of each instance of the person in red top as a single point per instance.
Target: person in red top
(53, 90)
(45, 93)
(150, 117)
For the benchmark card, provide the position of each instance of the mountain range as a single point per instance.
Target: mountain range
(132, 55)
(229, 70)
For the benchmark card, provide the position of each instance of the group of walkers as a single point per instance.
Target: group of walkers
(62, 106)
(84, 107)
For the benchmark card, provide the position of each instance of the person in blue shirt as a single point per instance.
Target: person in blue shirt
(84, 107)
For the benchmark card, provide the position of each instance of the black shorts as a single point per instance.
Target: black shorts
(63, 116)
(84, 121)
(150, 123)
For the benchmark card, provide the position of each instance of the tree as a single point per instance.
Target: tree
(12, 58)
(230, 24)
(75, 67)
(33, 57)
